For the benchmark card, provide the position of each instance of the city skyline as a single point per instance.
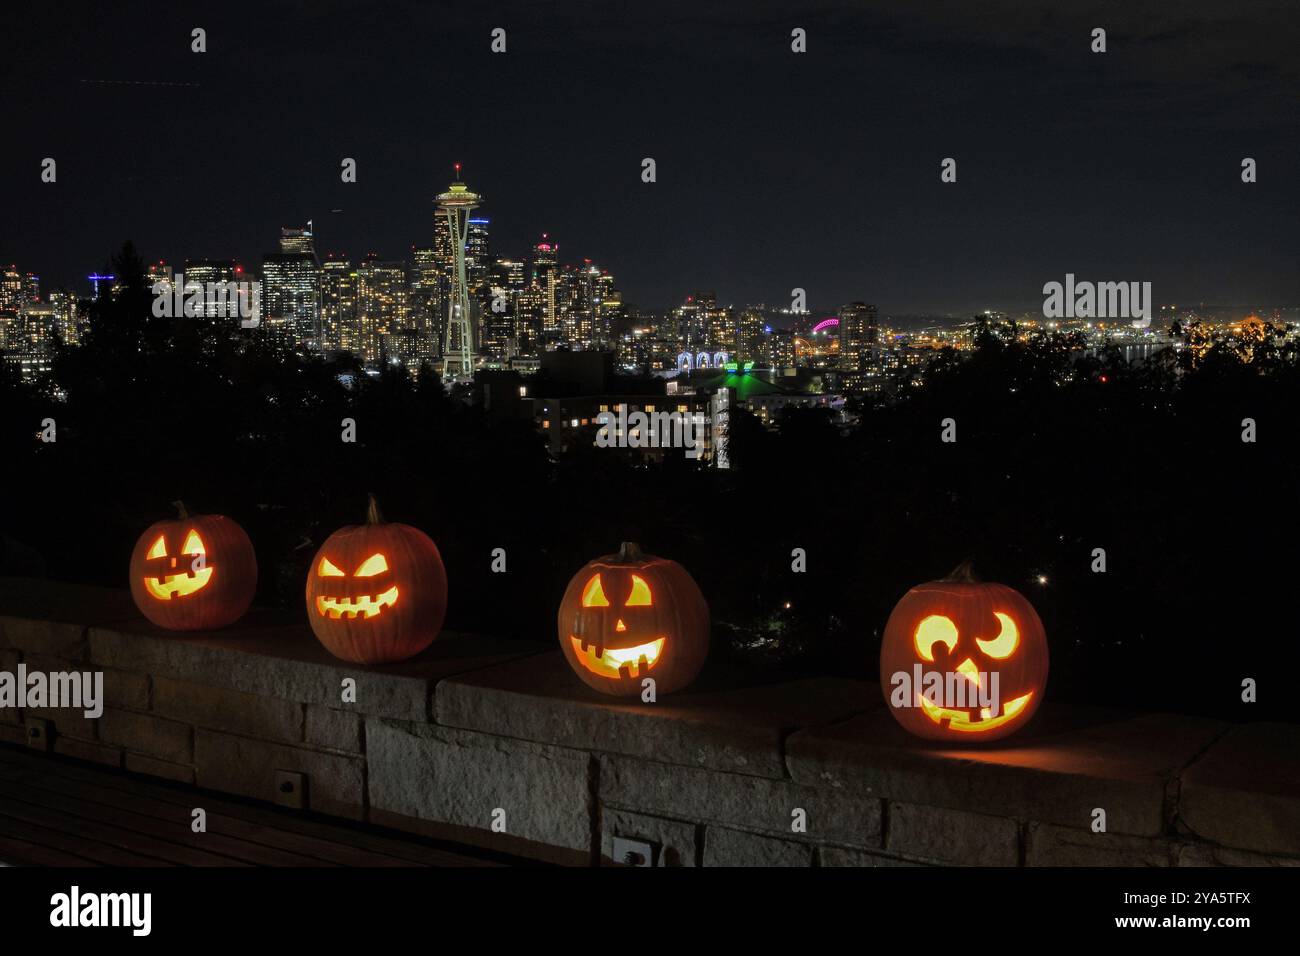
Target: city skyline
(803, 194)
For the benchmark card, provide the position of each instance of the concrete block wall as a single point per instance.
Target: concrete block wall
(495, 742)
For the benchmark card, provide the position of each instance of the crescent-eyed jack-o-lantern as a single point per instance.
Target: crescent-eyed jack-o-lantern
(193, 572)
(376, 592)
(963, 660)
(628, 616)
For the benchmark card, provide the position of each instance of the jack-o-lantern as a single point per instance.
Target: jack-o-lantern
(376, 592)
(629, 616)
(963, 660)
(193, 572)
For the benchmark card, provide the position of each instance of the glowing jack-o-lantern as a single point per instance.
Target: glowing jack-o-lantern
(628, 616)
(963, 660)
(376, 592)
(194, 572)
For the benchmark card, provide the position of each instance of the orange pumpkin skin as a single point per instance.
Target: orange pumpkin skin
(628, 616)
(194, 572)
(393, 609)
(980, 619)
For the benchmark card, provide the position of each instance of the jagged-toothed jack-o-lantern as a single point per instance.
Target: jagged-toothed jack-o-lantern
(376, 592)
(193, 572)
(962, 660)
(628, 616)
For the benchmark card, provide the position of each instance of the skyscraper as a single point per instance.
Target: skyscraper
(858, 334)
(383, 304)
(339, 328)
(546, 278)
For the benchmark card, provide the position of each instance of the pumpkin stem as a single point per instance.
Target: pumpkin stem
(372, 511)
(181, 511)
(964, 572)
(629, 551)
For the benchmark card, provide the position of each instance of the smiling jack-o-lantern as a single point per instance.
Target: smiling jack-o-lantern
(376, 592)
(963, 660)
(629, 616)
(194, 572)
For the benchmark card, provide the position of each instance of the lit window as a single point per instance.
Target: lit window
(546, 424)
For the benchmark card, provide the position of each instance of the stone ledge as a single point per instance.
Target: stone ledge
(1245, 790)
(269, 655)
(740, 730)
(1056, 774)
(537, 793)
(709, 776)
(739, 800)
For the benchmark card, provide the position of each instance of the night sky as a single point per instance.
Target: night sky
(775, 170)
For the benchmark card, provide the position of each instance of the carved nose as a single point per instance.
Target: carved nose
(620, 626)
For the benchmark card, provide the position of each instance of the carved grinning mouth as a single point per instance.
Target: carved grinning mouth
(960, 720)
(618, 661)
(361, 606)
(170, 585)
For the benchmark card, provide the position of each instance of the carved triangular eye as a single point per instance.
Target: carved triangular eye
(640, 596)
(328, 570)
(593, 595)
(193, 544)
(159, 549)
(375, 564)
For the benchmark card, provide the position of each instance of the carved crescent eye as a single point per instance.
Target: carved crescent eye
(375, 564)
(935, 629)
(593, 595)
(1004, 645)
(327, 569)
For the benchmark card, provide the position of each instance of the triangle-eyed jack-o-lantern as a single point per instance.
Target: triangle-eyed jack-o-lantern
(376, 592)
(628, 616)
(193, 572)
(963, 661)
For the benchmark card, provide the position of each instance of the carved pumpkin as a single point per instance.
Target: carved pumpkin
(194, 572)
(376, 592)
(629, 616)
(963, 661)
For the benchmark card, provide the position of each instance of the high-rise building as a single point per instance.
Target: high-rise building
(858, 336)
(203, 272)
(340, 331)
(383, 304)
(428, 295)
(296, 239)
(546, 277)
(750, 337)
(290, 298)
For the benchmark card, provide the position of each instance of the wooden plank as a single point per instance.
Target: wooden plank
(117, 836)
(92, 851)
(16, 852)
(82, 802)
(296, 850)
(414, 850)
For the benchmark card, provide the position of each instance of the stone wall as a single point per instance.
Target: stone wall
(495, 742)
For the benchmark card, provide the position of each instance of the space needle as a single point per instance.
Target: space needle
(458, 352)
